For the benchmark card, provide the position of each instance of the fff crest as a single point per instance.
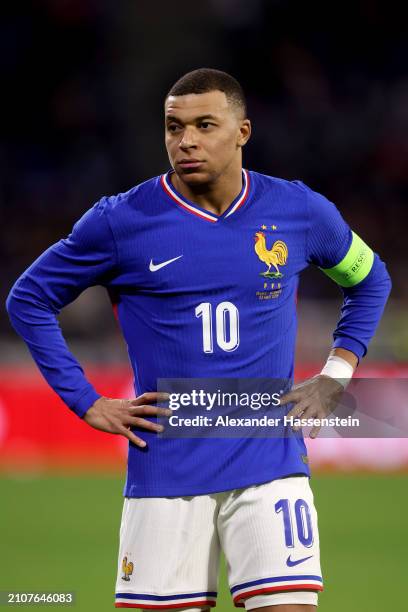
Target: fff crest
(274, 257)
(127, 569)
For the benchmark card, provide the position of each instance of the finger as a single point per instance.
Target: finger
(132, 437)
(312, 413)
(298, 409)
(163, 396)
(150, 411)
(314, 431)
(305, 384)
(150, 397)
(144, 424)
(298, 392)
(288, 398)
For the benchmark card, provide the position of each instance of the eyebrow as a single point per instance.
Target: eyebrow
(201, 118)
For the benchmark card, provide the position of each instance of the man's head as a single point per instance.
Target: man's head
(206, 125)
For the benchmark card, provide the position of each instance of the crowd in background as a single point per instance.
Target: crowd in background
(83, 85)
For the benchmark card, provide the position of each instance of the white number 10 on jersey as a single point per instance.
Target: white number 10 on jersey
(226, 325)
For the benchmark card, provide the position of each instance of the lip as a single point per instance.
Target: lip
(190, 163)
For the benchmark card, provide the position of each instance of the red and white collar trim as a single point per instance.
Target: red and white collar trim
(200, 212)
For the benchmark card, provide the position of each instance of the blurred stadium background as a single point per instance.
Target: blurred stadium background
(83, 85)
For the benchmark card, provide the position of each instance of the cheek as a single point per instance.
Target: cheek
(225, 144)
(171, 146)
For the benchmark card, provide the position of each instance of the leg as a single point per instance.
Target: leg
(287, 608)
(270, 539)
(183, 610)
(168, 554)
(295, 601)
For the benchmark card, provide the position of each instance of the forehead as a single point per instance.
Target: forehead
(197, 105)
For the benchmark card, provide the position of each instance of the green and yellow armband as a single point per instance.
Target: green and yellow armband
(354, 266)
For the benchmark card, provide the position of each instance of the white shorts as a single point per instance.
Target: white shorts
(170, 548)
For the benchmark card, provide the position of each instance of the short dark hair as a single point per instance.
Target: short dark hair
(204, 80)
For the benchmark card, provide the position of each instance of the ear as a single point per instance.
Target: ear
(244, 132)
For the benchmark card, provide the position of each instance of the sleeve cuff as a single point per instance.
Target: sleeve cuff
(85, 402)
(350, 344)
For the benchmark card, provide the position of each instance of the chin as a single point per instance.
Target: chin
(194, 178)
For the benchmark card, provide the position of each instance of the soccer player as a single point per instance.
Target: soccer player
(197, 296)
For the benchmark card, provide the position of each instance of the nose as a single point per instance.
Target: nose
(189, 140)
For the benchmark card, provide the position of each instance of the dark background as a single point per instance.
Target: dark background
(83, 83)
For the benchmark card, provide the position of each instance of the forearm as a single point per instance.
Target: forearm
(348, 356)
(361, 311)
(34, 320)
(85, 258)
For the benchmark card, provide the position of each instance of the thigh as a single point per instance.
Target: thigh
(270, 538)
(168, 553)
(286, 608)
(289, 601)
(204, 609)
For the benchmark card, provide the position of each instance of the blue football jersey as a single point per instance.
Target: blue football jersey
(168, 265)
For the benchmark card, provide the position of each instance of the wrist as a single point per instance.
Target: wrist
(338, 368)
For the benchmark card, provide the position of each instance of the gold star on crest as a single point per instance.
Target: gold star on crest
(263, 227)
(274, 227)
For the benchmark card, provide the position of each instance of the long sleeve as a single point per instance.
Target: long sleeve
(85, 258)
(359, 272)
(362, 309)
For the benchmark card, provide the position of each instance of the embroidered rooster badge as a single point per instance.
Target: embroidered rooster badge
(276, 256)
(127, 569)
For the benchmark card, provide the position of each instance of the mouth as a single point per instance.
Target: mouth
(190, 164)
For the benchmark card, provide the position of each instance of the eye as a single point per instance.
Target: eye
(173, 127)
(205, 125)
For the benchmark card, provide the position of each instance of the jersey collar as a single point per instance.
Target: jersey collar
(201, 212)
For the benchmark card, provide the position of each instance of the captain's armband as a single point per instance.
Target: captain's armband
(354, 266)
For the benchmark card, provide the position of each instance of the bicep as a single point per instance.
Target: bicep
(332, 246)
(329, 236)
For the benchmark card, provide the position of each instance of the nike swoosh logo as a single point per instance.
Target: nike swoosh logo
(291, 563)
(154, 267)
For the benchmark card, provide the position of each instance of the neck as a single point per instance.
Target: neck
(214, 196)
